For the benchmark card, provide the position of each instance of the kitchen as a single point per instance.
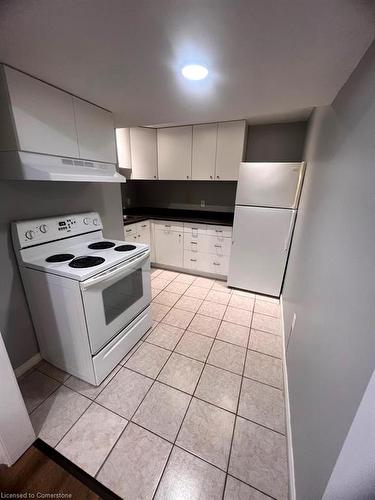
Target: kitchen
(221, 201)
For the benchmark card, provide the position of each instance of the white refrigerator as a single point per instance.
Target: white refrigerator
(266, 207)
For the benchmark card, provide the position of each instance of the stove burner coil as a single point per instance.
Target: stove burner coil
(86, 261)
(125, 248)
(60, 257)
(101, 245)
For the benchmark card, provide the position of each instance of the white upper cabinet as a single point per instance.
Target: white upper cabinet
(204, 151)
(174, 152)
(96, 132)
(43, 116)
(143, 148)
(230, 149)
(123, 147)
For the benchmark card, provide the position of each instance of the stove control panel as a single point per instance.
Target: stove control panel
(34, 232)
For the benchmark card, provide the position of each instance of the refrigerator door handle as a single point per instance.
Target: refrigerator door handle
(290, 231)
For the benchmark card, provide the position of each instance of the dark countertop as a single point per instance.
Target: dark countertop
(199, 216)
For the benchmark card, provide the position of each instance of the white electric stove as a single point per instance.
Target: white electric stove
(89, 297)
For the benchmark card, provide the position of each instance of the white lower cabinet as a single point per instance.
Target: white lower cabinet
(168, 241)
(139, 232)
(195, 247)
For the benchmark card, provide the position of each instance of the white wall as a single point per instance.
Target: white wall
(330, 281)
(31, 199)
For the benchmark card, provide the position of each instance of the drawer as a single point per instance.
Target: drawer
(196, 261)
(144, 225)
(219, 245)
(112, 353)
(168, 226)
(191, 261)
(198, 244)
(194, 229)
(219, 264)
(220, 231)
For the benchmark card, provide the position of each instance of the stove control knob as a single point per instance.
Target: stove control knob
(95, 222)
(86, 221)
(29, 234)
(43, 228)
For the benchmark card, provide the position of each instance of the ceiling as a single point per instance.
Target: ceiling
(268, 60)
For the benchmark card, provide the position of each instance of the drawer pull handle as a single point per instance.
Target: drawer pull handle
(193, 243)
(167, 225)
(193, 260)
(128, 230)
(219, 230)
(217, 246)
(216, 264)
(144, 225)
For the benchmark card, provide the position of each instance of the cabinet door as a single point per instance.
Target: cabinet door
(131, 232)
(143, 153)
(96, 132)
(169, 247)
(123, 147)
(144, 234)
(174, 152)
(204, 151)
(43, 115)
(230, 148)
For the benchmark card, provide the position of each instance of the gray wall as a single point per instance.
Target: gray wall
(276, 142)
(26, 200)
(218, 196)
(353, 476)
(330, 281)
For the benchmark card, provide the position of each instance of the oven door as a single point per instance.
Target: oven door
(112, 299)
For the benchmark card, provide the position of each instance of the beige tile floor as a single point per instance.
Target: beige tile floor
(195, 410)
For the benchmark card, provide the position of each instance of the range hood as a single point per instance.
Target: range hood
(47, 134)
(20, 165)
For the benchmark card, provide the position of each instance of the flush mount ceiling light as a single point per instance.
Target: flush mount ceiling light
(194, 72)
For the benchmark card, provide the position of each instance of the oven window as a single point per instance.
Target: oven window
(118, 297)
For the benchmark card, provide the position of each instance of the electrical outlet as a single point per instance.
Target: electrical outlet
(203, 203)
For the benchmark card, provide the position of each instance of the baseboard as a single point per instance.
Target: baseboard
(193, 272)
(292, 484)
(27, 365)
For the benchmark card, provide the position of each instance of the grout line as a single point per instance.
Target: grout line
(237, 407)
(253, 487)
(183, 419)
(187, 409)
(135, 411)
(265, 354)
(200, 398)
(74, 423)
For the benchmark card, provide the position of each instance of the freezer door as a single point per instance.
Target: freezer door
(269, 184)
(261, 240)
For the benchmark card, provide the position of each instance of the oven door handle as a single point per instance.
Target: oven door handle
(114, 273)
